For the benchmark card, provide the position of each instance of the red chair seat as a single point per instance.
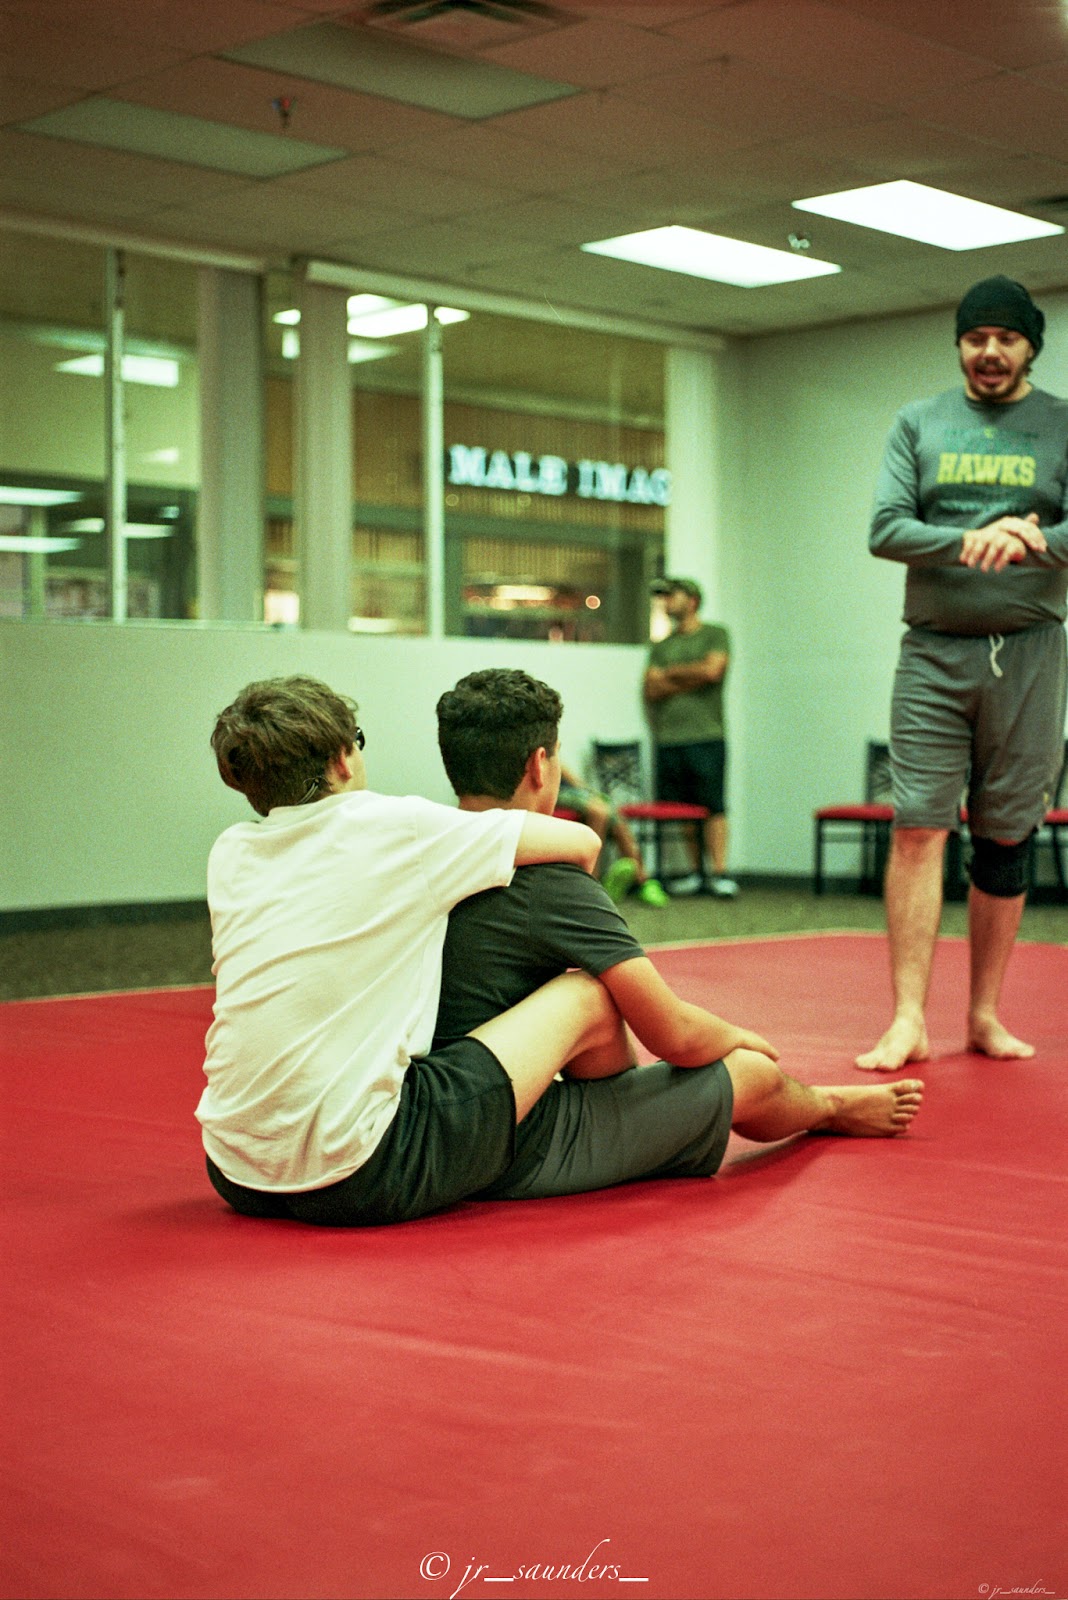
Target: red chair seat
(662, 811)
(868, 812)
(566, 814)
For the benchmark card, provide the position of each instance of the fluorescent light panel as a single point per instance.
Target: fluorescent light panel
(11, 496)
(159, 372)
(131, 530)
(931, 216)
(174, 136)
(27, 544)
(710, 255)
(358, 59)
(371, 317)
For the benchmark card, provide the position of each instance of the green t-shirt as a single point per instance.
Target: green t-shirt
(697, 714)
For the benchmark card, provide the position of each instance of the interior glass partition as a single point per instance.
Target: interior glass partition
(53, 460)
(555, 480)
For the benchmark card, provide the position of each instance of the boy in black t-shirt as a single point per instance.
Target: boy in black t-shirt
(498, 733)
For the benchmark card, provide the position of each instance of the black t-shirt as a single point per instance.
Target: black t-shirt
(503, 944)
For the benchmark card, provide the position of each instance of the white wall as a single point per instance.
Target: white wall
(814, 619)
(107, 785)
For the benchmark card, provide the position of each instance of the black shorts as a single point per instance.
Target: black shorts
(694, 774)
(453, 1134)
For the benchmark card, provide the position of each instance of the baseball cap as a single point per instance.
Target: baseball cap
(669, 585)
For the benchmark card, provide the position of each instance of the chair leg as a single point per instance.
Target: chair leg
(818, 875)
(1058, 860)
(702, 859)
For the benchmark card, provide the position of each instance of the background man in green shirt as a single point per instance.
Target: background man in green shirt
(684, 694)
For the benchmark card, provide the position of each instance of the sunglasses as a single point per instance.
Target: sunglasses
(360, 739)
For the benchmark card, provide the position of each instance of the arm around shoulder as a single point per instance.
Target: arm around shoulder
(553, 839)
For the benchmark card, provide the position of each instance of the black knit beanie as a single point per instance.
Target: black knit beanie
(1001, 303)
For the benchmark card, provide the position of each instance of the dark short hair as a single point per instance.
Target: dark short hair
(490, 725)
(275, 741)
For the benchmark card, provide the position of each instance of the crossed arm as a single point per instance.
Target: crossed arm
(662, 682)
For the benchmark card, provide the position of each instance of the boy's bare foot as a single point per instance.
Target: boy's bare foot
(874, 1113)
(904, 1040)
(989, 1038)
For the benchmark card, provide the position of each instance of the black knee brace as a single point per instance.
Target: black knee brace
(1000, 869)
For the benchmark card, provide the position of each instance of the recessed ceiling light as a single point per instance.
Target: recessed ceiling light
(933, 216)
(709, 255)
(159, 372)
(375, 316)
(10, 496)
(29, 544)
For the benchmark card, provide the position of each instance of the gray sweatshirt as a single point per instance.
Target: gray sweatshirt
(951, 464)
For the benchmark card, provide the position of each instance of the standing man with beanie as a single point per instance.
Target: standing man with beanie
(973, 499)
(683, 690)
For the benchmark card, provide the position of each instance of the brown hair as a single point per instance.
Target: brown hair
(276, 740)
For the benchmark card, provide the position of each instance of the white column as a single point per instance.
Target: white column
(230, 516)
(433, 478)
(322, 501)
(693, 428)
(115, 432)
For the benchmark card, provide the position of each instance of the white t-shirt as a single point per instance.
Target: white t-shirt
(327, 927)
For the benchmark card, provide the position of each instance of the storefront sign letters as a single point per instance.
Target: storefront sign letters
(472, 466)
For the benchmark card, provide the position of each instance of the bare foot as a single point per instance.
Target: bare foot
(874, 1113)
(989, 1038)
(904, 1040)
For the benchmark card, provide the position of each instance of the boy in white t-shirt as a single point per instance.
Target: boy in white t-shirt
(324, 1102)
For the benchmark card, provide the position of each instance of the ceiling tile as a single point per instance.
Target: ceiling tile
(79, 56)
(275, 214)
(1039, 117)
(109, 174)
(186, 25)
(27, 97)
(748, 105)
(481, 152)
(897, 147)
(225, 91)
(805, 42)
(380, 181)
(649, 135)
(1009, 33)
(597, 53)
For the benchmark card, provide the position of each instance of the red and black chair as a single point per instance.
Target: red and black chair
(656, 824)
(867, 822)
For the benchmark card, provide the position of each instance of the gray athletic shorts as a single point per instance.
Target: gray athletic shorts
(981, 716)
(651, 1122)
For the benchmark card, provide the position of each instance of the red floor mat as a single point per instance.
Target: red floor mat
(834, 1371)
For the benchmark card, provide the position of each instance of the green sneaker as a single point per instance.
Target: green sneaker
(619, 879)
(654, 893)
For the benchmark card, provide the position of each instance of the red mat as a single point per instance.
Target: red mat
(834, 1371)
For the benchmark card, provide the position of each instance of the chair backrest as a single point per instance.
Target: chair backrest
(617, 771)
(878, 788)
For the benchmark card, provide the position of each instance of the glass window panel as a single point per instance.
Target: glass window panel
(52, 424)
(388, 585)
(161, 403)
(555, 479)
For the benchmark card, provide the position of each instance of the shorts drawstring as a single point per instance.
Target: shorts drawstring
(996, 642)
